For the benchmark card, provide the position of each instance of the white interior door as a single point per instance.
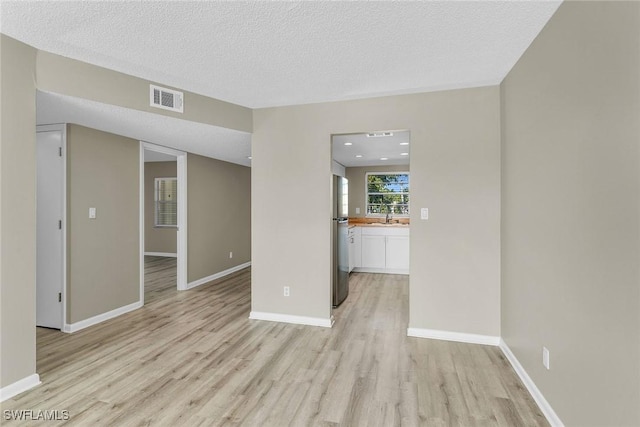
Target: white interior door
(49, 261)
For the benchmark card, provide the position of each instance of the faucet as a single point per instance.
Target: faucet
(388, 217)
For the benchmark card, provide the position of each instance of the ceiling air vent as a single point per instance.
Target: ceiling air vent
(166, 99)
(379, 134)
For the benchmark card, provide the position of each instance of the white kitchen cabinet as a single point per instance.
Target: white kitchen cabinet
(397, 253)
(355, 259)
(384, 249)
(373, 251)
(352, 252)
(355, 248)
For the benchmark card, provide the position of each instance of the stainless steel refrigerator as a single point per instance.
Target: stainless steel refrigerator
(340, 239)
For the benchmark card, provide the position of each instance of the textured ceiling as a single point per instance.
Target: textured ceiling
(205, 140)
(260, 54)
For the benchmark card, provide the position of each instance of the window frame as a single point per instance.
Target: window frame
(156, 204)
(366, 194)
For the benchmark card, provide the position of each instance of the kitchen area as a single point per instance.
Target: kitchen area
(370, 206)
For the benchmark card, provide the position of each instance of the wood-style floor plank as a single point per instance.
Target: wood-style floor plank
(194, 358)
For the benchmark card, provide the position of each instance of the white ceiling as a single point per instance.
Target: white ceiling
(156, 156)
(372, 149)
(261, 54)
(211, 141)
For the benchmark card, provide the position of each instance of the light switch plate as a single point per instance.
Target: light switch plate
(545, 357)
(92, 213)
(357, 211)
(424, 213)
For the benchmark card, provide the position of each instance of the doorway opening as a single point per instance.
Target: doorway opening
(163, 224)
(377, 241)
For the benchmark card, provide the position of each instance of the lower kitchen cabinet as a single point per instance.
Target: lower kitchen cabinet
(373, 251)
(397, 253)
(384, 250)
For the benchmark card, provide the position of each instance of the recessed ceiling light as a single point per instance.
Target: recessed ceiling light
(348, 143)
(404, 143)
(384, 158)
(358, 155)
(404, 154)
(249, 157)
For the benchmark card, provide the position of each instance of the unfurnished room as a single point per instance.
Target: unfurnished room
(320, 213)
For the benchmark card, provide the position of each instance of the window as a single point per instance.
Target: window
(388, 192)
(166, 202)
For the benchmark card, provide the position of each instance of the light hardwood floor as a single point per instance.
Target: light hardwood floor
(193, 358)
(160, 277)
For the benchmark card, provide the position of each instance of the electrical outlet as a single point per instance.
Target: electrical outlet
(286, 291)
(545, 357)
(230, 254)
(357, 211)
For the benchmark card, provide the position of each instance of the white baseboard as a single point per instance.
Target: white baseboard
(226, 272)
(287, 318)
(545, 407)
(165, 254)
(19, 387)
(74, 327)
(380, 270)
(453, 336)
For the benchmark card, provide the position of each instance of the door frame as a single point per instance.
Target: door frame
(62, 128)
(181, 159)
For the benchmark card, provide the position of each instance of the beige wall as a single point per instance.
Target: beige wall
(157, 239)
(570, 212)
(66, 76)
(219, 216)
(17, 211)
(455, 172)
(21, 68)
(103, 253)
(358, 189)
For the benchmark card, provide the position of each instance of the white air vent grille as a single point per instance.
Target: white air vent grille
(379, 134)
(166, 99)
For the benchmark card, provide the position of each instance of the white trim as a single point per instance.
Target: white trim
(380, 270)
(74, 327)
(453, 336)
(544, 405)
(164, 254)
(64, 226)
(181, 231)
(141, 229)
(19, 386)
(215, 276)
(182, 236)
(62, 128)
(287, 318)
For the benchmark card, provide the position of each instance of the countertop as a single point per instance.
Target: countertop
(379, 224)
(362, 222)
